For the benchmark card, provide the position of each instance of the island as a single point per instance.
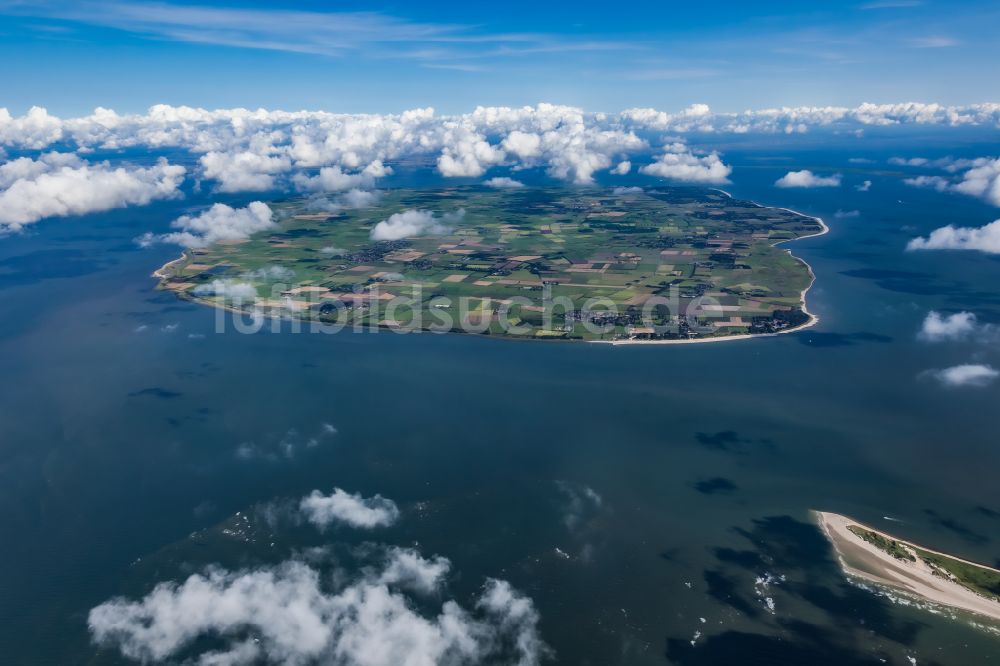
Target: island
(621, 265)
(929, 575)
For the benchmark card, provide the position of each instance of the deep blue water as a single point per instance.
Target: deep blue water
(122, 412)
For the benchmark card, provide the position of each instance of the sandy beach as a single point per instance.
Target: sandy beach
(860, 559)
(163, 271)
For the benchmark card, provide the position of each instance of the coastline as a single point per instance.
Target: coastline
(161, 272)
(813, 318)
(861, 559)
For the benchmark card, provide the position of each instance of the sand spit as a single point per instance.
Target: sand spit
(861, 559)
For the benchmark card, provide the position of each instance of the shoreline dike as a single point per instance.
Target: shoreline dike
(162, 273)
(863, 560)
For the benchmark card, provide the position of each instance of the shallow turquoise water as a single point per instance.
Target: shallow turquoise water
(123, 412)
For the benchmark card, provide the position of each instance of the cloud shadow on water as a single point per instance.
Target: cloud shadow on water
(806, 575)
(816, 339)
(156, 392)
(716, 486)
(730, 441)
(956, 527)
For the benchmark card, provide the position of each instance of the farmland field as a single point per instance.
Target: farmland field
(572, 263)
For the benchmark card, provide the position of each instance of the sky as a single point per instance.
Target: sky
(73, 56)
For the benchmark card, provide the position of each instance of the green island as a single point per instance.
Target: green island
(616, 265)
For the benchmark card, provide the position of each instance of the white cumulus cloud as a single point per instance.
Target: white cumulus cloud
(974, 375)
(290, 614)
(349, 509)
(58, 185)
(359, 198)
(218, 223)
(410, 223)
(622, 168)
(329, 179)
(34, 130)
(231, 290)
(320, 138)
(941, 328)
(807, 178)
(274, 272)
(318, 151)
(911, 161)
(244, 171)
(523, 144)
(335, 179)
(26, 168)
(939, 183)
(517, 617)
(983, 239)
(467, 153)
(678, 163)
(982, 181)
(503, 182)
(408, 568)
(981, 177)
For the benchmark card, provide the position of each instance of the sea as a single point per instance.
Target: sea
(653, 502)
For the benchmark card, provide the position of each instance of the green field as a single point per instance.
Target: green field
(542, 263)
(890, 546)
(981, 580)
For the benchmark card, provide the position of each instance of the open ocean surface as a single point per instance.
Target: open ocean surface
(122, 412)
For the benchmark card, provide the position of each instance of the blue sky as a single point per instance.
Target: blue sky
(364, 57)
